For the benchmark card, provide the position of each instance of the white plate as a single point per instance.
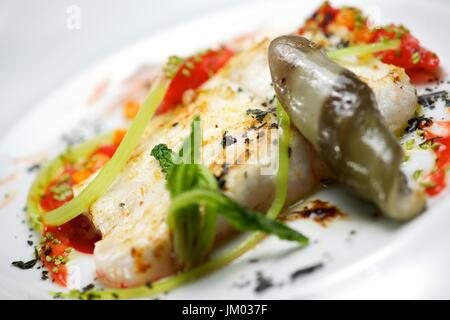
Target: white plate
(382, 260)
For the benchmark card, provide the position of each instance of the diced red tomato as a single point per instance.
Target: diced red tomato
(438, 177)
(51, 251)
(107, 150)
(194, 72)
(321, 18)
(410, 55)
(49, 200)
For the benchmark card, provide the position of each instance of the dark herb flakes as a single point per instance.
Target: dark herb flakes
(257, 114)
(306, 271)
(87, 288)
(221, 177)
(241, 285)
(428, 100)
(417, 123)
(25, 265)
(258, 127)
(34, 167)
(273, 99)
(262, 282)
(44, 275)
(228, 140)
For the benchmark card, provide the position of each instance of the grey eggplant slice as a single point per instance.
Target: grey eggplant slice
(337, 113)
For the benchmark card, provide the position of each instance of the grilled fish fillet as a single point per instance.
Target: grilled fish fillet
(237, 111)
(238, 121)
(396, 96)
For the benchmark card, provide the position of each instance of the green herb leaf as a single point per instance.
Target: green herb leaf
(415, 58)
(243, 219)
(172, 66)
(258, 114)
(165, 157)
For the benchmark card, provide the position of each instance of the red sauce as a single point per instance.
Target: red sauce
(439, 177)
(79, 233)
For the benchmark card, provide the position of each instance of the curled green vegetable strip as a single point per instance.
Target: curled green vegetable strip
(51, 170)
(112, 168)
(214, 264)
(337, 113)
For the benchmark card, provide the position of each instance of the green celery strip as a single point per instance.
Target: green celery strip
(52, 169)
(282, 178)
(112, 168)
(214, 264)
(364, 49)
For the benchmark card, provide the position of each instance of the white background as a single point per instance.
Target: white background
(38, 52)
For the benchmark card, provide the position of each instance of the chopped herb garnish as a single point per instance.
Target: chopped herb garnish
(262, 282)
(428, 100)
(409, 145)
(417, 123)
(34, 167)
(186, 72)
(87, 288)
(415, 58)
(25, 265)
(165, 156)
(189, 65)
(257, 114)
(417, 174)
(428, 184)
(305, 271)
(44, 275)
(435, 145)
(172, 66)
